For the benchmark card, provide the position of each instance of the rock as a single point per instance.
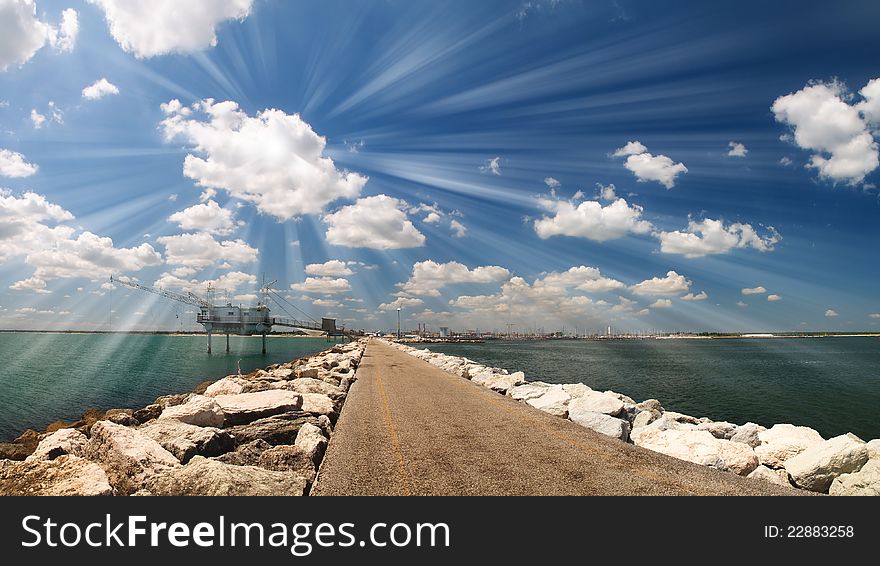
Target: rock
(779, 477)
(121, 416)
(248, 407)
(311, 385)
(784, 441)
(738, 458)
(198, 411)
(346, 382)
(748, 434)
(873, 448)
(311, 442)
(681, 418)
(64, 475)
(816, 467)
(212, 477)
(723, 430)
(325, 425)
(595, 402)
(528, 391)
(576, 390)
(864, 482)
(185, 440)
(128, 456)
(166, 401)
(626, 400)
(247, 454)
(554, 401)
(500, 382)
(229, 385)
(148, 413)
(601, 423)
(282, 373)
(644, 418)
(278, 429)
(312, 372)
(61, 442)
(318, 404)
(650, 405)
(288, 459)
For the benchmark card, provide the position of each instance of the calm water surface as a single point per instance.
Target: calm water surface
(830, 384)
(46, 377)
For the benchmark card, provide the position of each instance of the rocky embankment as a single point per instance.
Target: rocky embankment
(263, 433)
(783, 454)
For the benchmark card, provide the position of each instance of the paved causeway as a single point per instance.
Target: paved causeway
(408, 428)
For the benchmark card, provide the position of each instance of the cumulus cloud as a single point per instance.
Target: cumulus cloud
(89, 255)
(377, 222)
(22, 34)
(774, 298)
(428, 277)
(273, 160)
(591, 220)
(37, 119)
(322, 285)
(714, 237)
(492, 166)
(661, 304)
(401, 303)
(226, 283)
(201, 250)
(148, 28)
(701, 296)
(331, 268)
(648, 167)
(551, 182)
(206, 217)
(736, 149)
(99, 89)
(34, 284)
(823, 120)
(433, 214)
(741, 304)
(874, 315)
(63, 38)
(672, 284)
(459, 230)
(14, 164)
(831, 313)
(759, 290)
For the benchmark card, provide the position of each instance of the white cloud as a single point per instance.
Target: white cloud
(774, 298)
(202, 250)
(580, 278)
(459, 230)
(327, 303)
(785, 161)
(89, 255)
(874, 315)
(737, 149)
(492, 166)
(623, 305)
(207, 217)
(34, 284)
(149, 28)
(741, 304)
(377, 222)
(607, 192)
(590, 219)
(331, 268)
(870, 105)
(824, 121)
(245, 298)
(672, 284)
(273, 160)
(631, 148)
(37, 119)
(428, 277)
(355, 146)
(831, 313)
(228, 282)
(713, 237)
(322, 285)
(21, 33)
(99, 89)
(401, 303)
(759, 290)
(14, 164)
(661, 304)
(701, 296)
(551, 182)
(649, 167)
(64, 38)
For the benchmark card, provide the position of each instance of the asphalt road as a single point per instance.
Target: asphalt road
(408, 428)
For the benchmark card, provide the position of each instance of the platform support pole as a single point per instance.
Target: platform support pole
(264, 343)
(209, 341)
(227, 342)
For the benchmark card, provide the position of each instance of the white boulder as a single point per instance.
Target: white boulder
(528, 391)
(864, 482)
(503, 382)
(554, 401)
(198, 410)
(874, 449)
(601, 423)
(699, 447)
(248, 407)
(748, 434)
(784, 441)
(59, 443)
(317, 403)
(723, 430)
(817, 466)
(128, 456)
(596, 402)
(576, 389)
(227, 386)
(63, 476)
(311, 440)
(779, 477)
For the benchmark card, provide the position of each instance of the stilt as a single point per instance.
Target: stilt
(264, 343)
(227, 342)
(209, 341)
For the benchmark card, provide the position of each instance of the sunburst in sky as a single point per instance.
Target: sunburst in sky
(677, 166)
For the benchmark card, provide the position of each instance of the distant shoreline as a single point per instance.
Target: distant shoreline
(151, 333)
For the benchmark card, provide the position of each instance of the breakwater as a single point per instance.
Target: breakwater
(784, 454)
(261, 433)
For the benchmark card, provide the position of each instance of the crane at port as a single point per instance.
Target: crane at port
(242, 321)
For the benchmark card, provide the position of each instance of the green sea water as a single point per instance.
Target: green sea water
(45, 377)
(831, 384)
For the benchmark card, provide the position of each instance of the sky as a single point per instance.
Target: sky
(684, 166)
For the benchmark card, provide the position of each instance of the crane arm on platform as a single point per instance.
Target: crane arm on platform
(188, 298)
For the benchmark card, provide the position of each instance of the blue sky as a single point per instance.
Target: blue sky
(689, 165)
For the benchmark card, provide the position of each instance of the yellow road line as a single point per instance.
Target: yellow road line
(395, 442)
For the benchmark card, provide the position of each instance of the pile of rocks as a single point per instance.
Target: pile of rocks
(784, 454)
(263, 433)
